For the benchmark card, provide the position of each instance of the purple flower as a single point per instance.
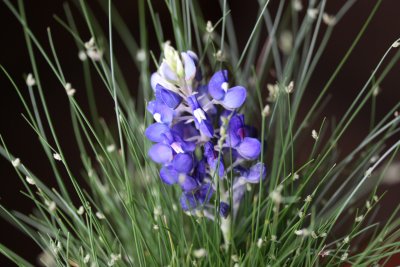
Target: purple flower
(212, 159)
(186, 111)
(230, 98)
(196, 198)
(201, 119)
(247, 147)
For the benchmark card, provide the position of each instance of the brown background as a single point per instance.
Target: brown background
(21, 140)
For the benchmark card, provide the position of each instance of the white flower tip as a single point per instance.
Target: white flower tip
(297, 5)
(95, 54)
(396, 113)
(396, 43)
(141, 55)
(266, 111)
(314, 134)
(157, 211)
(57, 156)
(329, 20)
(260, 242)
(156, 227)
(52, 206)
(111, 148)
(68, 88)
(359, 218)
(82, 55)
(86, 259)
(29, 180)
(30, 81)
(290, 87)
(296, 176)
(16, 162)
(308, 199)
(312, 13)
(90, 44)
(209, 27)
(199, 253)
(80, 210)
(369, 172)
(100, 215)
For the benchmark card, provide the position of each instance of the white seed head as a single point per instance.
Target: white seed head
(260, 242)
(302, 232)
(273, 90)
(296, 176)
(69, 90)
(297, 5)
(300, 214)
(199, 253)
(323, 235)
(89, 44)
(346, 240)
(219, 56)
(235, 258)
(329, 20)
(156, 227)
(100, 215)
(290, 87)
(266, 111)
(376, 91)
(16, 162)
(312, 13)
(369, 172)
(141, 55)
(368, 204)
(80, 210)
(274, 238)
(157, 211)
(29, 180)
(314, 235)
(314, 134)
(52, 206)
(86, 259)
(308, 199)
(285, 42)
(110, 148)
(276, 196)
(396, 43)
(344, 256)
(57, 156)
(209, 27)
(396, 114)
(82, 55)
(30, 81)
(174, 207)
(359, 218)
(95, 54)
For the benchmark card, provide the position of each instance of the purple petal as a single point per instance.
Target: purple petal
(187, 183)
(234, 132)
(170, 98)
(250, 148)
(155, 132)
(183, 163)
(167, 72)
(206, 128)
(188, 201)
(256, 172)
(168, 175)
(190, 67)
(160, 153)
(224, 209)
(205, 193)
(234, 97)
(215, 84)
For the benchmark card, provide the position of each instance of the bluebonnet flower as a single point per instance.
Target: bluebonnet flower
(194, 116)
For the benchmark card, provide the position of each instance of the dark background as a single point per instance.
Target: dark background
(21, 140)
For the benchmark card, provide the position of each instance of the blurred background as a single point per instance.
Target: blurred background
(21, 140)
